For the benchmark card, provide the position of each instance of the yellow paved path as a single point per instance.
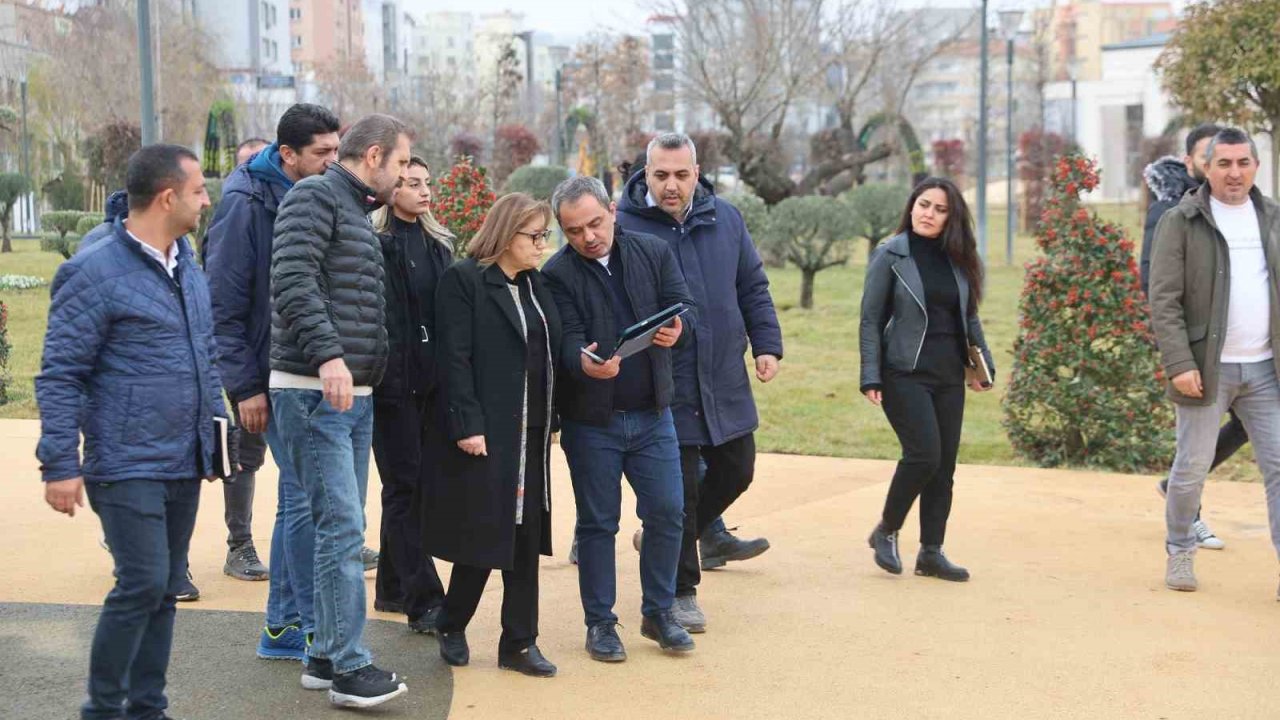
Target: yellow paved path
(1067, 615)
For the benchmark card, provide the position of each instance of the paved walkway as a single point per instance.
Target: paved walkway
(1066, 617)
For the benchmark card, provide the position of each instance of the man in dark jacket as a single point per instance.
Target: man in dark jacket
(237, 259)
(1169, 178)
(328, 351)
(129, 362)
(714, 410)
(616, 414)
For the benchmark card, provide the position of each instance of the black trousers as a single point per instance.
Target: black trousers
(406, 446)
(730, 469)
(1231, 437)
(520, 583)
(926, 410)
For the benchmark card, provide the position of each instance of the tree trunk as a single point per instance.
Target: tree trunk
(7, 244)
(806, 288)
(1275, 158)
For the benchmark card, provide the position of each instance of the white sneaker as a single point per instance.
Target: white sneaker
(1180, 571)
(1205, 537)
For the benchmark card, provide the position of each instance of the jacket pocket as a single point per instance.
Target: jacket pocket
(1196, 333)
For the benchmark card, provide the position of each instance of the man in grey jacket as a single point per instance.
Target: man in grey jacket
(1215, 309)
(328, 351)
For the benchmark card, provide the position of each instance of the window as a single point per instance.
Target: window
(664, 42)
(297, 41)
(664, 83)
(295, 13)
(663, 122)
(664, 61)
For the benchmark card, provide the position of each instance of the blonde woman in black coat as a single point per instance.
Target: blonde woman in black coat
(499, 335)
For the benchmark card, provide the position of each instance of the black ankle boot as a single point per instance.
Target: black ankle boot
(886, 546)
(932, 563)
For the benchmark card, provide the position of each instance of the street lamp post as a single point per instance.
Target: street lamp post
(1073, 71)
(981, 190)
(1009, 22)
(148, 76)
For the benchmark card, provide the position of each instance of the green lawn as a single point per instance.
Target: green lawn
(812, 408)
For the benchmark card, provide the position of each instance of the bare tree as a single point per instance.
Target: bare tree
(755, 62)
(348, 88)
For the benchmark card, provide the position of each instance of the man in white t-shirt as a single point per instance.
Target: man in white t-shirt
(1216, 315)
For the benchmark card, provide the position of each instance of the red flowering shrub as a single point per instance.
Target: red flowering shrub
(1087, 386)
(462, 199)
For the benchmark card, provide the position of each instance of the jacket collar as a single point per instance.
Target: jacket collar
(634, 202)
(267, 167)
(1196, 202)
(899, 245)
(122, 234)
(362, 193)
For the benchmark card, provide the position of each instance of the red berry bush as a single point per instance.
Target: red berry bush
(1087, 386)
(462, 199)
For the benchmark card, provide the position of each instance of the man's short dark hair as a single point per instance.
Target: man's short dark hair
(1200, 132)
(381, 130)
(260, 142)
(154, 169)
(300, 124)
(1230, 136)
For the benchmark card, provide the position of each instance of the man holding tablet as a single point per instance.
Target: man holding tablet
(615, 410)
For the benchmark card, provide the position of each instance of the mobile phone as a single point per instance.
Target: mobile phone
(596, 358)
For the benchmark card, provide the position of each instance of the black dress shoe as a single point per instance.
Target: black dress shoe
(932, 563)
(886, 546)
(528, 661)
(603, 643)
(724, 547)
(426, 623)
(669, 634)
(454, 649)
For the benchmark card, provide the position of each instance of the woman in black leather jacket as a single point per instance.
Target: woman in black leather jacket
(919, 318)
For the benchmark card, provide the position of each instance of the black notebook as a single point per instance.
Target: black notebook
(223, 466)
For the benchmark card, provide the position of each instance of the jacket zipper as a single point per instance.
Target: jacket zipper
(180, 296)
(915, 362)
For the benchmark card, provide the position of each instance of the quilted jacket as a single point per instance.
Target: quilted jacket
(326, 280)
(129, 362)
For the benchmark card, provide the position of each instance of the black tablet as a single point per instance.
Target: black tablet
(639, 337)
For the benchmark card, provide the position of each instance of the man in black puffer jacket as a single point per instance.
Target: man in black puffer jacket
(1169, 178)
(328, 351)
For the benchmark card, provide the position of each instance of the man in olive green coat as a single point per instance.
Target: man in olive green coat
(1215, 309)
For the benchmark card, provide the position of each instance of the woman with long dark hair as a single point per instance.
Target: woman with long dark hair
(919, 320)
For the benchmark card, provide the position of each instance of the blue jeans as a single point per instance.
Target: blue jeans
(642, 445)
(330, 453)
(147, 524)
(291, 592)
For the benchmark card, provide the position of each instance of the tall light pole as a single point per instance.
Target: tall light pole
(1073, 71)
(148, 76)
(1009, 22)
(982, 135)
(527, 37)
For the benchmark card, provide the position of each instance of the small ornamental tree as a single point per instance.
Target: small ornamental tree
(514, 146)
(465, 144)
(949, 158)
(1086, 388)
(538, 181)
(12, 187)
(813, 232)
(462, 200)
(877, 210)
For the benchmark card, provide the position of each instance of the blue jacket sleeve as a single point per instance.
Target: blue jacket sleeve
(1154, 213)
(79, 322)
(230, 259)
(675, 290)
(754, 300)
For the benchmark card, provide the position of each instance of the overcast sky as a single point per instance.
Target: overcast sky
(569, 19)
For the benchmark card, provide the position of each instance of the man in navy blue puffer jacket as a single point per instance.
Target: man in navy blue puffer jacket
(129, 362)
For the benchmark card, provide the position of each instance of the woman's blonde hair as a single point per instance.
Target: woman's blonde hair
(509, 214)
(381, 217)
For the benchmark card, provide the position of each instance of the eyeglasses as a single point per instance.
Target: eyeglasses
(539, 238)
